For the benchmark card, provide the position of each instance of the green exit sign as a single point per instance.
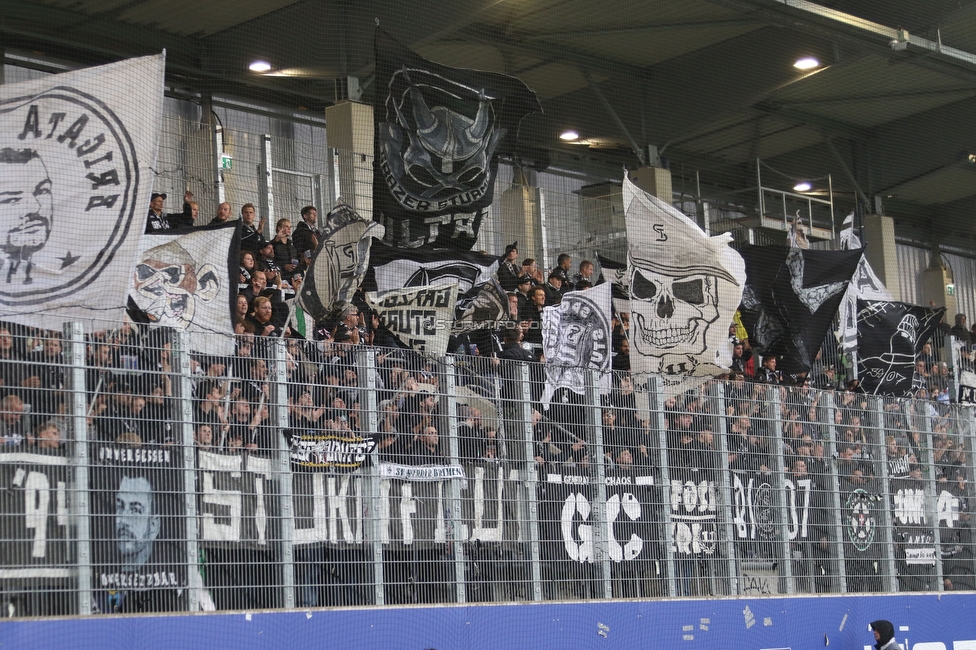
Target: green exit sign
(950, 289)
(226, 162)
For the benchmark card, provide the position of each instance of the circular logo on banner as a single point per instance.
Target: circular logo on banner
(764, 511)
(860, 519)
(68, 180)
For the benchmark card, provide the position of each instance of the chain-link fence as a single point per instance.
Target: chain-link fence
(139, 476)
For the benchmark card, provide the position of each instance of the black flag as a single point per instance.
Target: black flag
(438, 133)
(790, 298)
(889, 336)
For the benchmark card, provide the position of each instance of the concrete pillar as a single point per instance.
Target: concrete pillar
(938, 287)
(349, 129)
(879, 236)
(521, 221)
(654, 180)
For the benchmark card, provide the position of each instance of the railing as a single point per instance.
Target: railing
(290, 475)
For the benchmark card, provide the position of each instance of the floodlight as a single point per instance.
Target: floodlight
(806, 63)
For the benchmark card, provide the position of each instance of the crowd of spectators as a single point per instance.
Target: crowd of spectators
(131, 388)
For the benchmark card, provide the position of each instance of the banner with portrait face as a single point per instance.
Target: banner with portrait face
(76, 150)
(138, 518)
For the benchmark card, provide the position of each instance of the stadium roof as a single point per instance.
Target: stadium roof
(890, 112)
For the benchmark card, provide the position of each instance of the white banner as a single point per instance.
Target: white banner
(421, 472)
(576, 339)
(685, 287)
(421, 317)
(184, 281)
(75, 155)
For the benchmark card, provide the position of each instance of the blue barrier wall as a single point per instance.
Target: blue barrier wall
(928, 622)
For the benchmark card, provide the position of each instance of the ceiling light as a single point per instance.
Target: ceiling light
(259, 66)
(569, 135)
(806, 63)
(802, 186)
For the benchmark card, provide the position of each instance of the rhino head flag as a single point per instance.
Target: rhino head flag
(684, 289)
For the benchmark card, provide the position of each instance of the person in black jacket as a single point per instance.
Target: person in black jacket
(508, 271)
(156, 220)
(306, 236)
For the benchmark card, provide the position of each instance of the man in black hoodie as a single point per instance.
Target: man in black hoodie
(884, 634)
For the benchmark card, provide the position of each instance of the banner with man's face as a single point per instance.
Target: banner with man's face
(137, 526)
(75, 150)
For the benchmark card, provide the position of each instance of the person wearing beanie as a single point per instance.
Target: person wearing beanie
(884, 634)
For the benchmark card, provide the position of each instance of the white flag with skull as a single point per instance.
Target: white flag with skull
(186, 279)
(684, 289)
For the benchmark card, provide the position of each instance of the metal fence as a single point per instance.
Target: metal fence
(137, 476)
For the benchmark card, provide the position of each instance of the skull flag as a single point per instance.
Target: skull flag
(183, 281)
(684, 289)
(790, 298)
(889, 336)
(340, 262)
(438, 134)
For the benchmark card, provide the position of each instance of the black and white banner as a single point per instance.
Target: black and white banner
(566, 523)
(914, 535)
(967, 386)
(486, 308)
(438, 135)
(865, 285)
(421, 317)
(753, 515)
(138, 517)
(326, 450)
(693, 517)
(34, 519)
(576, 340)
(889, 336)
(753, 511)
(187, 280)
(339, 264)
(790, 299)
(684, 289)
(79, 146)
(237, 500)
(240, 504)
(392, 268)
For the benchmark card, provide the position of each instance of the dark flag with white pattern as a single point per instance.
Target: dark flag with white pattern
(889, 336)
(790, 299)
(438, 135)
